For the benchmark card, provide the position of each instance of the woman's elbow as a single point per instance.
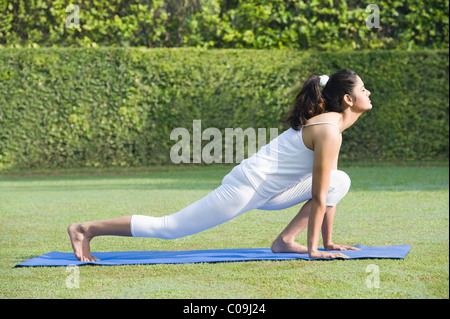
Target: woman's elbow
(319, 200)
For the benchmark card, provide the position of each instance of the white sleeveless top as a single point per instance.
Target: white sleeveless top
(280, 164)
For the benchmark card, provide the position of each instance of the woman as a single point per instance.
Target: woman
(299, 165)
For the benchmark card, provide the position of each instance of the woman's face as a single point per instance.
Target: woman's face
(362, 101)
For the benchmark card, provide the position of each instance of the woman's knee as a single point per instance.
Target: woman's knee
(340, 179)
(339, 186)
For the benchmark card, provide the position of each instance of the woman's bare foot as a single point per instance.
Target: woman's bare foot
(80, 242)
(281, 246)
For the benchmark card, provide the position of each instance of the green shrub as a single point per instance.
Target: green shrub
(252, 24)
(117, 106)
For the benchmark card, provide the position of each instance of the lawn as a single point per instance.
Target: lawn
(387, 204)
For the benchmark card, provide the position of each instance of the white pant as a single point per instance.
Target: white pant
(235, 196)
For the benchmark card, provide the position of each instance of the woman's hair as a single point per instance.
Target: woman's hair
(311, 101)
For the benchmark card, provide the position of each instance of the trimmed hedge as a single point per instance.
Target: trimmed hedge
(117, 107)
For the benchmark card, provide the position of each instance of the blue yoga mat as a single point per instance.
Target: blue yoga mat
(57, 258)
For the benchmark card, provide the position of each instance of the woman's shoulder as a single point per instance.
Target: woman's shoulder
(329, 117)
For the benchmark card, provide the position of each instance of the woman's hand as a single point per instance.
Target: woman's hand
(325, 254)
(333, 246)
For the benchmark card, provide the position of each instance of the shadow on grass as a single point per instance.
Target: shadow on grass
(374, 178)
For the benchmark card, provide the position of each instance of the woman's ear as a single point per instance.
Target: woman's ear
(347, 99)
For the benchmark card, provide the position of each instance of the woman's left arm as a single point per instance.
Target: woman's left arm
(327, 231)
(327, 224)
(327, 143)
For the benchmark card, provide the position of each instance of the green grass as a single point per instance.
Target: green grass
(387, 204)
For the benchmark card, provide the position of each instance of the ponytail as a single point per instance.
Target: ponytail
(308, 103)
(311, 101)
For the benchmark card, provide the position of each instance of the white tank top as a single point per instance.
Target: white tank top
(280, 164)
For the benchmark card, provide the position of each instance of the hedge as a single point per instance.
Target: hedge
(84, 107)
(252, 24)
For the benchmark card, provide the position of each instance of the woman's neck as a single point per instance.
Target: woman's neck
(348, 119)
